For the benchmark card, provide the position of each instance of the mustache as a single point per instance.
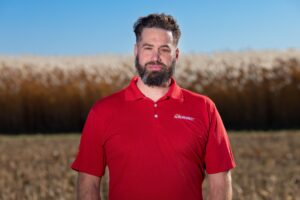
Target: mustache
(156, 63)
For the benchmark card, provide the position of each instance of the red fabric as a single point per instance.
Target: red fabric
(154, 150)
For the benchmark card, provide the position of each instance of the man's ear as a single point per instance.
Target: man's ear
(177, 53)
(135, 49)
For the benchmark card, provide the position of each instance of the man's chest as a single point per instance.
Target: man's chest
(155, 131)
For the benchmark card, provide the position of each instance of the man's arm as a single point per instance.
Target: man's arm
(88, 187)
(219, 186)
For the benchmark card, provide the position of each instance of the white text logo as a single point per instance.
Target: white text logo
(178, 116)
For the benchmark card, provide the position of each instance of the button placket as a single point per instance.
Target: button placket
(155, 110)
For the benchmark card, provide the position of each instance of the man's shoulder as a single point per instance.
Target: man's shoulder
(193, 97)
(109, 102)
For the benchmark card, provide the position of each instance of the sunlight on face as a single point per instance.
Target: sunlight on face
(156, 56)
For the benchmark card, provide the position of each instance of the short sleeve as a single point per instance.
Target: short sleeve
(218, 154)
(90, 157)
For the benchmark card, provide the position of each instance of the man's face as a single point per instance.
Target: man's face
(155, 56)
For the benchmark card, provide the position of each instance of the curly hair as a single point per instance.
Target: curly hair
(163, 21)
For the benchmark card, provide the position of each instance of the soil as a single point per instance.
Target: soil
(38, 166)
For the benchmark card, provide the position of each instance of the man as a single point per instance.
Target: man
(157, 139)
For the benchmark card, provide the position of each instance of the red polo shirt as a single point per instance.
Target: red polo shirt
(154, 150)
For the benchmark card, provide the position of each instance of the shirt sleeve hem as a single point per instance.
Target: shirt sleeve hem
(214, 171)
(76, 168)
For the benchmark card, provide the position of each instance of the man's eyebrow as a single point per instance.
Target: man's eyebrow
(164, 46)
(147, 44)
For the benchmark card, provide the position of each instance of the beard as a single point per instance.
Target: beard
(155, 78)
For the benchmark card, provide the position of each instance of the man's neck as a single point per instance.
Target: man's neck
(153, 92)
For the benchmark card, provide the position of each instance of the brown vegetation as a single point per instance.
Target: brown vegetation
(253, 90)
(37, 167)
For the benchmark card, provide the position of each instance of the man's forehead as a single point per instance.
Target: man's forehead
(154, 33)
(147, 29)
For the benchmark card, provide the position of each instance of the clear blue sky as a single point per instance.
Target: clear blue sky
(72, 27)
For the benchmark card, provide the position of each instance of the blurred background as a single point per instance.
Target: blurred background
(58, 57)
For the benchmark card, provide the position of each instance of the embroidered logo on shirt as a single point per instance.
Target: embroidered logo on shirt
(178, 116)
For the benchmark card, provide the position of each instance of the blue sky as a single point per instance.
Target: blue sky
(73, 27)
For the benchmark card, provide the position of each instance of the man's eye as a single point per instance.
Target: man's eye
(147, 48)
(166, 50)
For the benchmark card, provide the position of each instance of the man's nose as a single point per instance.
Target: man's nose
(155, 56)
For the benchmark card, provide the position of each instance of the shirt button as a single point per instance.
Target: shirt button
(156, 116)
(155, 105)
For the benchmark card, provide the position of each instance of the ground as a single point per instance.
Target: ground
(37, 166)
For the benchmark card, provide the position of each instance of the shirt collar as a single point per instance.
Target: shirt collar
(132, 92)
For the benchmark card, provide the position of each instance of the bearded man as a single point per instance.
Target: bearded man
(158, 140)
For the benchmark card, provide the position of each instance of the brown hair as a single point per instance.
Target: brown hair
(163, 21)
